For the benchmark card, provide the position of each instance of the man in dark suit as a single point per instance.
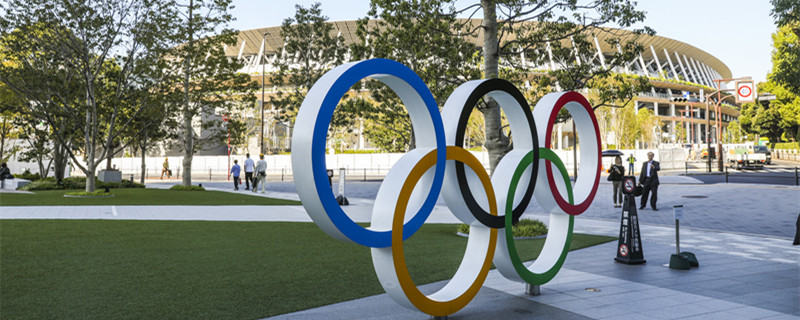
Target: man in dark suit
(648, 178)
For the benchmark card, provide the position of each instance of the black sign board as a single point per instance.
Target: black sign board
(629, 247)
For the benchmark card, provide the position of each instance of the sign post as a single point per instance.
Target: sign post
(225, 120)
(341, 199)
(629, 246)
(680, 260)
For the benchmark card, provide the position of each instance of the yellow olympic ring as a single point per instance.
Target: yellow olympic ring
(459, 291)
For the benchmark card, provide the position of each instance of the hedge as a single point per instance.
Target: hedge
(76, 183)
(787, 145)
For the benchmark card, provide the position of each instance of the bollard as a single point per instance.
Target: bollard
(686, 163)
(726, 174)
(282, 173)
(533, 289)
(796, 177)
(209, 174)
(365, 175)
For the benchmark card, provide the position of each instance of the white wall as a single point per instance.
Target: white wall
(374, 163)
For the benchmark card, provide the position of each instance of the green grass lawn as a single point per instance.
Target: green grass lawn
(99, 269)
(139, 196)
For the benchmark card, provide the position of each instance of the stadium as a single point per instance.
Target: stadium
(678, 72)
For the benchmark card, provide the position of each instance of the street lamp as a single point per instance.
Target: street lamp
(263, 84)
(718, 110)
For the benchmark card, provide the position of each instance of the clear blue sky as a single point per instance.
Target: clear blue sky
(738, 32)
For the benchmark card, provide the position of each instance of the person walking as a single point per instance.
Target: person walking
(615, 174)
(249, 166)
(165, 169)
(5, 173)
(648, 179)
(261, 175)
(631, 161)
(235, 170)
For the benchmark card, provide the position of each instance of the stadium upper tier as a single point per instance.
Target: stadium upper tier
(662, 57)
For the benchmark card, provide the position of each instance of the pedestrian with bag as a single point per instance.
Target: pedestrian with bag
(615, 174)
(261, 175)
(249, 166)
(235, 171)
(648, 179)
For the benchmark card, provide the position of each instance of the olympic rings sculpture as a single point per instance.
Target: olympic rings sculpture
(409, 192)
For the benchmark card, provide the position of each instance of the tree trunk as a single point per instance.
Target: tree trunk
(90, 177)
(89, 141)
(188, 140)
(144, 167)
(496, 142)
(3, 138)
(59, 161)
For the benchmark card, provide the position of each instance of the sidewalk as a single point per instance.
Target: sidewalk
(742, 275)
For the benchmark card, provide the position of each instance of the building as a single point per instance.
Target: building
(679, 73)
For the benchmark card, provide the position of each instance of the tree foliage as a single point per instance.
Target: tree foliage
(786, 57)
(76, 64)
(207, 82)
(537, 30)
(395, 30)
(311, 49)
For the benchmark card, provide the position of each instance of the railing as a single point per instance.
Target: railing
(796, 176)
(785, 155)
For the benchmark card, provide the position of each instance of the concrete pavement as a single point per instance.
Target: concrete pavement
(741, 235)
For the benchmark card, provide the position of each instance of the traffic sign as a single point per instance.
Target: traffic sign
(745, 91)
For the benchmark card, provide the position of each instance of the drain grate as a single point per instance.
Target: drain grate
(694, 197)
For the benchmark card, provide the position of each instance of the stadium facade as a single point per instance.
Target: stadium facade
(676, 70)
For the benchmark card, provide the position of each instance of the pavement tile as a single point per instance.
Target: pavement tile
(679, 311)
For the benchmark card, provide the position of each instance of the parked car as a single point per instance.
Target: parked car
(764, 150)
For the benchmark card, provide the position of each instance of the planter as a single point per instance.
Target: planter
(465, 235)
(110, 176)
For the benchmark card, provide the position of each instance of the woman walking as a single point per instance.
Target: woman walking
(615, 175)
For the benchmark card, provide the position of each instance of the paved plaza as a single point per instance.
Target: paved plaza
(741, 234)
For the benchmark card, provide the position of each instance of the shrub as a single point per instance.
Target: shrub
(787, 145)
(529, 228)
(73, 183)
(180, 187)
(524, 228)
(41, 185)
(463, 228)
(27, 175)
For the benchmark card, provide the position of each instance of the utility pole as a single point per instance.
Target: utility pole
(263, 84)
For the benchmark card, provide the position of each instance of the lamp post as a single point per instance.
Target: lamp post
(718, 110)
(263, 84)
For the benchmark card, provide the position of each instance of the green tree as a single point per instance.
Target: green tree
(395, 30)
(310, 50)
(76, 63)
(787, 12)
(734, 132)
(508, 30)
(786, 57)
(208, 82)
